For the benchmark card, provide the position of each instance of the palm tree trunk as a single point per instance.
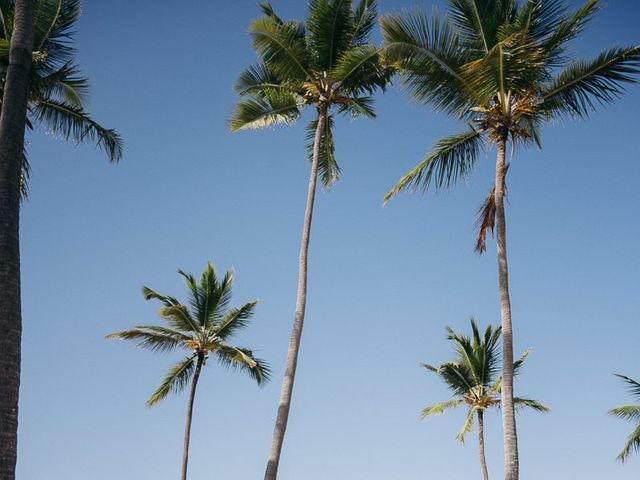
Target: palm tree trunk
(187, 427)
(483, 459)
(286, 390)
(508, 412)
(12, 125)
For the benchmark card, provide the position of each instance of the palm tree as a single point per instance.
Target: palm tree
(58, 92)
(502, 67)
(325, 62)
(202, 327)
(630, 413)
(472, 379)
(12, 125)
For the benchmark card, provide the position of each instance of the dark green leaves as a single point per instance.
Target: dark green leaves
(329, 32)
(328, 166)
(274, 108)
(630, 413)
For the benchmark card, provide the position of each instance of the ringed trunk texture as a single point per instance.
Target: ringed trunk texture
(12, 126)
(286, 391)
(511, 465)
(187, 426)
(483, 459)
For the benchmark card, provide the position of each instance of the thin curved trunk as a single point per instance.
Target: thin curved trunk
(187, 427)
(511, 465)
(12, 126)
(483, 459)
(286, 391)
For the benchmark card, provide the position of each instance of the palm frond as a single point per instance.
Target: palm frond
(439, 408)
(242, 359)
(529, 403)
(272, 109)
(328, 167)
(360, 71)
(329, 32)
(257, 80)
(452, 159)
(632, 445)
(166, 300)
(236, 319)
(179, 317)
(64, 84)
(467, 426)
(583, 85)
(176, 379)
(632, 385)
(281, 47)
(149, 337)
(429, 57)
(73, 123)
(364, 19)
(627, 412)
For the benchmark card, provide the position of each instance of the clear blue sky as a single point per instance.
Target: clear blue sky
(384, 282)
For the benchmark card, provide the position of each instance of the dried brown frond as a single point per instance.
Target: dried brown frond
(485, 221)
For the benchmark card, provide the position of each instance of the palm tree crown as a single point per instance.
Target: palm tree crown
(326, 61)
(503, 67)
(471, 377)
(630, 413)
(58, 91)
(202, 328)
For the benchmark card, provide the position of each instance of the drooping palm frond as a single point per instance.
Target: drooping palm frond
(242, 359)
(452, 159)
(632, 385)
(467, 426)
(258, 80)
(531, 404)
(632, 446)
(630, 413)
(73, 123)
(328, 167)
(176, 379)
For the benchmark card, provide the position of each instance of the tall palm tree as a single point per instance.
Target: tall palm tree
(630, 413)
(503, 67)
(12, 125)
(325, 62)
(472, 379)
(202, 327)
(58, 92)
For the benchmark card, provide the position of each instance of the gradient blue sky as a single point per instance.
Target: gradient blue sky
(384, 282)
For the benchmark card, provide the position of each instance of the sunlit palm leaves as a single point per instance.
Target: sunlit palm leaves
(58, 91)
(630, 413)
(471, 377)
(502, 65)
(201, 327)
(326, 61)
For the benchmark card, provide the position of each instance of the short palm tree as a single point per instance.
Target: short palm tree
(58, 91)
(327, 63)
(630, 413)
(503, 68)
(203, 328)
(472, 379)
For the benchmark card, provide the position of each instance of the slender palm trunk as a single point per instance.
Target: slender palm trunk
(12, 125)
(483, 459)
(187, 426)
(301, 302)
(511, 465)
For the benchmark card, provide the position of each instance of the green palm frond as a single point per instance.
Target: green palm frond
(179, 317)
(467, 426)
(236, 319)
(360, 71)
(439, 408)
(479, 21)
(152, 338)
(64, 84)
(257, 80)
(531, 404)
(176, 379)
(358, 107)
(632, 445)
(632, 385)
(281, 47)
(242, 359)
(166, 300)
(517, 365)
(329, 32)
(627, 412)
(273, 109)
(582, 85)
(328, 167)
(364, 19)
(429, 57)
(73, 123)
(452, 159)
